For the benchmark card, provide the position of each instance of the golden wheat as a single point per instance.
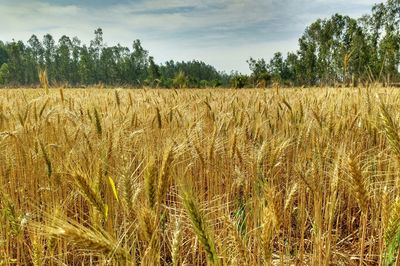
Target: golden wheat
(197, 177)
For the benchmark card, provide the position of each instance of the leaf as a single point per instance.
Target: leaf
(114, 189)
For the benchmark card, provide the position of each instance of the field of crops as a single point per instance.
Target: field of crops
(199, 177)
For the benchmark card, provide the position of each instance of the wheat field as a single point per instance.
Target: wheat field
(199, 177)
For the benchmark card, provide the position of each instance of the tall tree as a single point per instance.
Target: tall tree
(49, 56)
(96, 46)
(292, 66)
(138, 63)
(37, 50)
(4, 74)
(86, 67)
(63, 59)
(278, 68)
(122, 58)
(307, 57)
(16, 62)
(74, 75)
(108, 66)
(260, 75)
(3, 53)
(153, 73)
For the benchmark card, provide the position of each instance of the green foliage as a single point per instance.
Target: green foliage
(4, 74)
(259, 73)
(153, 73)
(49, 56)
(392, 249)
(342, 50)
(180, 80)
(3, 54)
(198, 74)
(239, 81)
(62, 59)
(86, 67)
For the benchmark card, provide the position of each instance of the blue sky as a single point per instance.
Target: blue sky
(222, 33)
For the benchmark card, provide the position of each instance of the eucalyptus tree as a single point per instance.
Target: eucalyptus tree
(75, 54)
(37, 50)
(278, 68)
(3, 53)
(95, 48)
(307, 73)
(63, 59)
(333, 50)
(86, 67)
(153, 73)
(138, 63)
(49, 56)
(260, 75)
(16, 62)
(389, 46)
(4, 74)
(122, 59)
(108, 66)
(292, 68)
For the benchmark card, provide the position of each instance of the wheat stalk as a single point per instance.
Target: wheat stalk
(99, 128)
(150, 183)
(91, 194)
(358, 182)
(164, 174)
(86, 238)
(200, 226)
(390, 129)
(44, 82)
(176, 242)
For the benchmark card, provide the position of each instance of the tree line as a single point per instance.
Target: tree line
(68, 62)
(338, 50)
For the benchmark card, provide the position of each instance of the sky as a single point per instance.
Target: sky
(223, 33)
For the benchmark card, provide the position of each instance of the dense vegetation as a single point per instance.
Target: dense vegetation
(341, 50)
(74, 64)
(338, 50)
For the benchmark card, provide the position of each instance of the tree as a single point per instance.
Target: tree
(74, 75)
(260, 74)
(86, 67)
(4, 74)
(197, 72)
(153, 73)
(49, 56)
(278, 68)
(31, 66)
(108, 66)
(334, 50)
(34, 58)
(138, 63)
(122, 58)
(389, 47)
(63, 59)
(37, 50)
(292, 67)
(307, 55)
(16, 62)
(238, 81)
(95, 48)
(389, 53)
(3, 53)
